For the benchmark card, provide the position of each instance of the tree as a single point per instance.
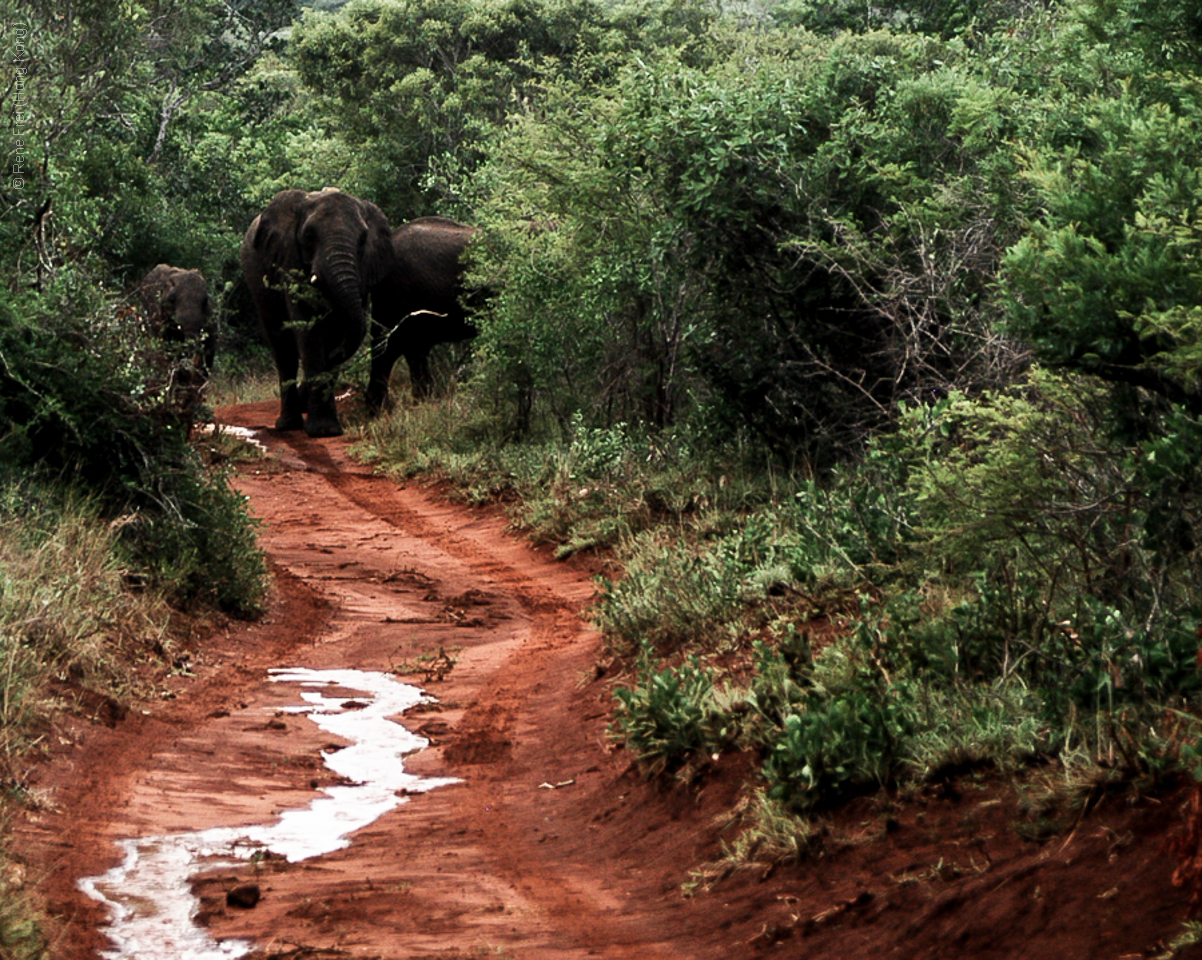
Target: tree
(1108, 280)
(414, 89)
(786, 237)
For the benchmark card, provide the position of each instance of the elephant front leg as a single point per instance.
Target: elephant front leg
(383, 359)
(317, 395)
(287, 362)
(292, 410)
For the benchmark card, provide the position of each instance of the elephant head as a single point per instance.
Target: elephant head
(177, 311)
(175, 303)
(419, 304)
(311, 260)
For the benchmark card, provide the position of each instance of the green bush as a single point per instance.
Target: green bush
(667, 716)
(828, 725)
(832, 748)
(1105, 279)
(82, 403)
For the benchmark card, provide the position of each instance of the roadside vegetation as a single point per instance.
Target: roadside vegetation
(860, 341)
(866, 350)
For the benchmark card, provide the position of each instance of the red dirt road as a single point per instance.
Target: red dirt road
(550, 846)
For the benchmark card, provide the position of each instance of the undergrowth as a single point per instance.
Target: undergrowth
(996, 583)
(68, 611)
(21, 936)
(70, 621)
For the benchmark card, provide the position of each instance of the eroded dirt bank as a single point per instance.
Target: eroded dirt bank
(550, 846)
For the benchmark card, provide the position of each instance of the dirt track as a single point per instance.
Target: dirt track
(550, 847)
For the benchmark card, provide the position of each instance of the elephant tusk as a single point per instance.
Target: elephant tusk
(313, 279)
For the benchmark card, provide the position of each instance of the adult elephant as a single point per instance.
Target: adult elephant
(176, 309)
(311, 260)
(419, 304)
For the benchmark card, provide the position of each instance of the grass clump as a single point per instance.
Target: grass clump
(67, 610)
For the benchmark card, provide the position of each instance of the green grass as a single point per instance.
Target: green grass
(250, 384)
(70, 617)
(67, 611)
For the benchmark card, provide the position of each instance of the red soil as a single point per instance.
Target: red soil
(551, 846)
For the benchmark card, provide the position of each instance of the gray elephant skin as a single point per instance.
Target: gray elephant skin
(311, 260)
(176, 306)
(176, 309)
(419, 304)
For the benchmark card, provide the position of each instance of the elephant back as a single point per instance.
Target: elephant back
(428, 251)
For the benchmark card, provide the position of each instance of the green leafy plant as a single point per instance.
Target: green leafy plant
(79, 402)
(667, 716)
(832, 747)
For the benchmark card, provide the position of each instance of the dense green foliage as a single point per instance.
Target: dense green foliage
(862, 331)
(111, 97)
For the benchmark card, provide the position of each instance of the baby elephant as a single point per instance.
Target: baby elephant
(176, 310)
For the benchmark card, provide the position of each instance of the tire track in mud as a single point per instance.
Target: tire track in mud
(479, 865)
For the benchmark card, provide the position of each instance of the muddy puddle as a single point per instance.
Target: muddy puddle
(244, 434)
(148, 894)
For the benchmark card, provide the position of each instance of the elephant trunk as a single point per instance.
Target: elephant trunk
(339, 278)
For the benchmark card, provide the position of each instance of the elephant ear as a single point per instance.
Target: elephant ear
(378, 258)
(271, 235)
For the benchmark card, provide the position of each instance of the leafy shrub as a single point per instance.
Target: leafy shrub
(80, 403)
(667, 715)
(828, 725)
(831, 748)
(777, 240)
(1040, 524)
(1105, 280)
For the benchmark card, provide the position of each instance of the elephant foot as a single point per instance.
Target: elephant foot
(285, 423)
(323, 427)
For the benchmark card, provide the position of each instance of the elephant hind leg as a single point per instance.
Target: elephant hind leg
(419, 373)
(376, 396)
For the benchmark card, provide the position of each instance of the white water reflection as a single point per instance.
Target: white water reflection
(242, 433)
(148, 894)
